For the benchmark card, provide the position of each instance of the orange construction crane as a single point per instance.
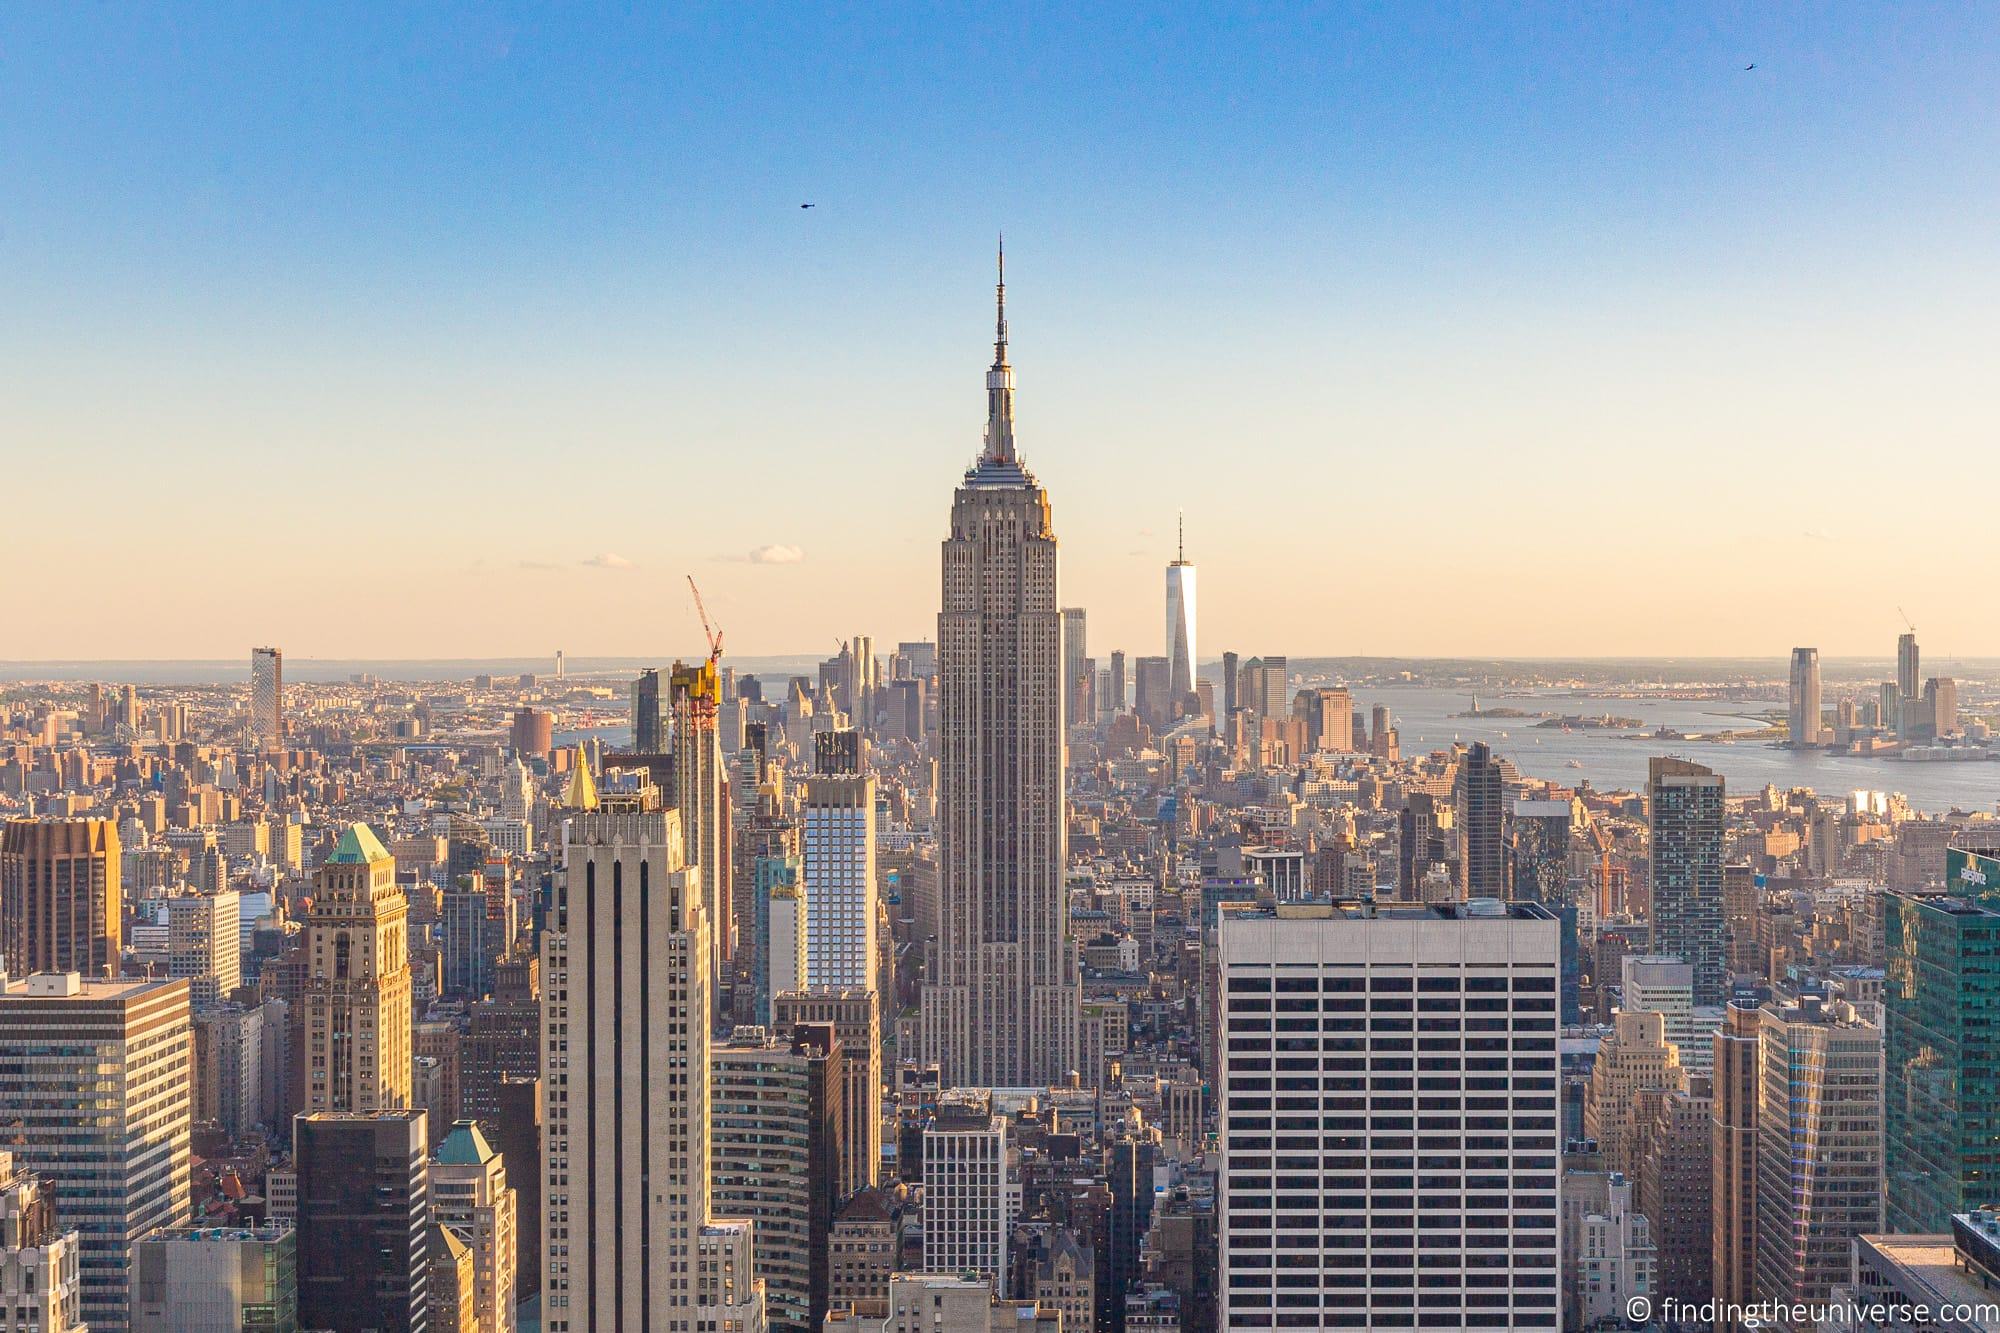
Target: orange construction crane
(714, 634)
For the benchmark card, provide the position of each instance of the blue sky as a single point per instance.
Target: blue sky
(355, 311)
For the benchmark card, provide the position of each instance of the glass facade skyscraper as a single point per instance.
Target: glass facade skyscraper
(1941, 1047)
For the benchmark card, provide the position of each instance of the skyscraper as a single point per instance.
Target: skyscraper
(95, 1092)
(856, 1019)
(1805, 700)
(966, 1186)
(267, 698)
(1076, 665)
(1479, 801)
(1733, 1191)
(1230, 666)
(839, 879)
(697, 695)
(205, 944)
(649, 717)
(774, 1156)
(1180, 648)
(61, 909)
(1684, 812)
(470, 1197)
(625, 1075)
(1908, 668)
(357, 990)
(1942, 1061)
(1003, 1010)
(364, 1220)
(1335, 1203)
(1819, 1149)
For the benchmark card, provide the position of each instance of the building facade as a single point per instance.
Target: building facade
(1389, 1116)
(61, 908)
(356, 999)
(627, 968)
(97, 1087)
(1685, 815)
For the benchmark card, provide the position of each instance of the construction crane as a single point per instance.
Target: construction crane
(1906, 619)
(713, 634)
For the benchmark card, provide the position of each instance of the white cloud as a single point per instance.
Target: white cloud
(609, 560)
(777, 555)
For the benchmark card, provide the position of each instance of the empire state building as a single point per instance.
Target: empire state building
(1002, 1010)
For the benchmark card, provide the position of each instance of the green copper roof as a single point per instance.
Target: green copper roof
(358, 846)
(464, 1146)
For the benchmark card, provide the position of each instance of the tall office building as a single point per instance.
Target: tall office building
(1003, 1010)
(1323, 1205)
(1479, 802)
(205, 944)
(1908, 667)
(61, 908)
(1685, 821)
(1636, 1057)
(774, 1157)
(1739, 1071)
(470, 1198)
(781, 929)
(837, 844)
(1805, 697)
(1664, 985)
(221, 1279)
(1230, 668)
(626, 1228)
(1076, 665)
(649, 715)
(267, 698)
(967, 1186)
(1184, 667)
(1540, 840)
(1153, 698)
(41, 1275)
(1943, 1071)
(1120, 689)
(96, 1094)
(697, 751)
(364, 1220)
(855, 1017)
(1819, 1149)
(356, 1000)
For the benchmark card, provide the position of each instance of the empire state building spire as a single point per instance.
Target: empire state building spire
(1000, 379)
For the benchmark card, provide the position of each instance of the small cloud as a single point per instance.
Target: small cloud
(608, 560)
(776, 555)
(1815, 535)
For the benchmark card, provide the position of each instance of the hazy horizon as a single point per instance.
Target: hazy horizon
(1538, 333)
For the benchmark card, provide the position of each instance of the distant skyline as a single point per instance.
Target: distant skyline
(1515, 332)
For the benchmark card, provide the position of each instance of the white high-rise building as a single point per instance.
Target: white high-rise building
(837, 853)
(1389, 1116)
(205, 944)
(267, 698)
(96, 1084)
(626, 1231)
(1183, 667)
(1004, 1007)
(970, 1194)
